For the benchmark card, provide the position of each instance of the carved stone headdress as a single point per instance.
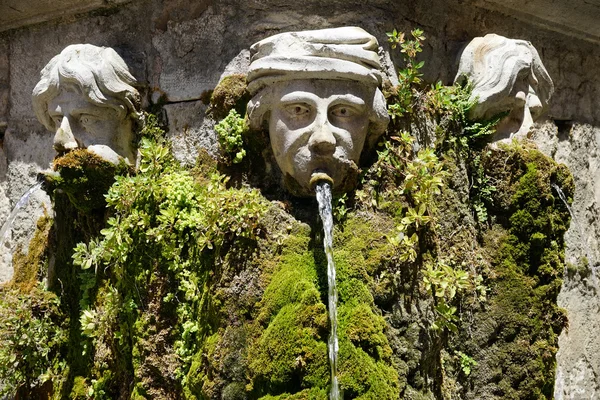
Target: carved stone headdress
(346, 53)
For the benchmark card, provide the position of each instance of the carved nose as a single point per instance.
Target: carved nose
(535, 105)
(63, 139)
(322, 141)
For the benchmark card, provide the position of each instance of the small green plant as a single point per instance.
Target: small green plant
(444, 283)
(230, 132)
(410, 76)
(32, 334)
(339, 207)
(466, 362)
(482, 189)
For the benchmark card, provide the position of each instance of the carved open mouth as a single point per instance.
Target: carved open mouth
(320, 175)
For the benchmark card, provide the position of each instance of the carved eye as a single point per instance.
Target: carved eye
(84, 120)
(297, 110)
(57, 119)
(342, 111)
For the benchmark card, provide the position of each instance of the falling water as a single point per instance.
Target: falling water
(13, 214)
(323, 190)
(574, 223)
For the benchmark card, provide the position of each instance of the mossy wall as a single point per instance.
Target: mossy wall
(210, 282)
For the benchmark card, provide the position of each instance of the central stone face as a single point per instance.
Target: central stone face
(319, 126)
(318, 91)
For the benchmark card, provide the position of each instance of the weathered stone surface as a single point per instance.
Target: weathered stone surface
(17, 13)
(190, 56)
(16, 178)
(577, 18)
(577, 146)
(189, 130)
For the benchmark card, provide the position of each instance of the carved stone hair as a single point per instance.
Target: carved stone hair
(494, 64)
(97, 73)
(347, 53)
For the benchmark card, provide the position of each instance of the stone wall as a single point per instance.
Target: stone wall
(179, 50)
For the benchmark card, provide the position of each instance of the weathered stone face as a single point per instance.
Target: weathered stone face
(81, 124)
(319, 126)
(507, 76)
(86, 96)
(319, 92)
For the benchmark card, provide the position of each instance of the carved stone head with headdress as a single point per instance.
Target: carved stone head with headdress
(507, 76)
(319, 92)
(86, 95)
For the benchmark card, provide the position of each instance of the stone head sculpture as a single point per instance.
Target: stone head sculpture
(86, 96)
(318, 91)
(507, 76)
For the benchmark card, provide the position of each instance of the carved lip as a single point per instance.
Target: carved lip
(319, 176)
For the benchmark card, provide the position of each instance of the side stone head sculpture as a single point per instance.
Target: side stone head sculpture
(507, 76)
(318, 91)
(86, 95)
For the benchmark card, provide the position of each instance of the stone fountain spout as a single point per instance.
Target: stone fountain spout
(319, 92)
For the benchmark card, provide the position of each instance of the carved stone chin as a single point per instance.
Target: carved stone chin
(319, 93)
(507, 77)
(86, 97)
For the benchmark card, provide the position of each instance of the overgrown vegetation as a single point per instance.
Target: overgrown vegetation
(31, 339)
(230, 132)
(188, 283)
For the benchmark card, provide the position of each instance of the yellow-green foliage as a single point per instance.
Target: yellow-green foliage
(230, 132)
(158, 252)
(32, 334)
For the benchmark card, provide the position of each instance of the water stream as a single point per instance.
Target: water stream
(578, 227)
(13, 214)
(323, 190)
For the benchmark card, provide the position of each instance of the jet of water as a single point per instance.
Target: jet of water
(323, 189)
(13, 214)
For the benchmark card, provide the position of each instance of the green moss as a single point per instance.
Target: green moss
(28, 268)
(85, 178)
(522, 319)
(291, 354)
(230, 93)
(80, 389)
(306, 394)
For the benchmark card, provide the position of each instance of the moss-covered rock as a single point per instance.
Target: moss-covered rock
(514, 338)
(84, 177)
(231, 93)
(32, 266)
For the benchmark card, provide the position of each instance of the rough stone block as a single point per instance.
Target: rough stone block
(189, 130)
